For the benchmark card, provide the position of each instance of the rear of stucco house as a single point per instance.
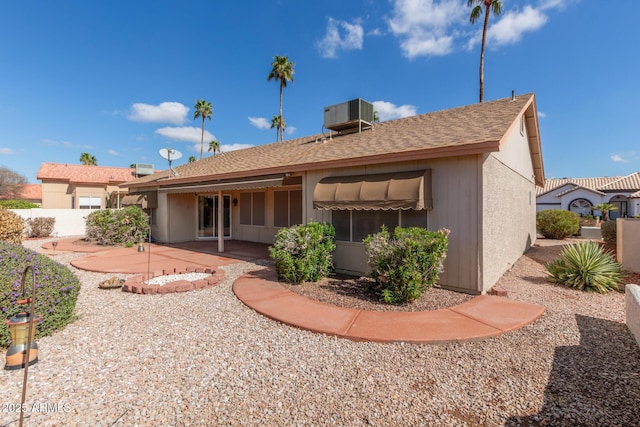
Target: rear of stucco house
(472, 170)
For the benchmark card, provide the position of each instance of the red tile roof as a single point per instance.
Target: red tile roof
(82, 174)
(31, 192)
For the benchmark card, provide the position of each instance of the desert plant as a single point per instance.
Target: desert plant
(406, 262)
(609, 231)
(117, 227)
(11, 226)
(56, 289)
(605, 208)
(18, 204)
(586, 266)
(40, 226)
(302, 253)
(557, 224)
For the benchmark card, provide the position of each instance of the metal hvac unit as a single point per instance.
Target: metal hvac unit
(144, 169)
(354, 114)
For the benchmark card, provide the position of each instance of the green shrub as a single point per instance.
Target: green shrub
(40, 226)
(557, 224)
(406, 263)
(609, 231)
(56, 289)
(117, 227)
(302, 253)
(11, 226)
(18, 204)
(586, 266)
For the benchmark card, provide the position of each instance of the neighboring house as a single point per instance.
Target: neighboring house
(30, 192)
(579, 195)
(66, 186)
(472, 169)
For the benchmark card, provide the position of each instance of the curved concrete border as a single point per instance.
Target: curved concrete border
(136, 284)
(484, 316)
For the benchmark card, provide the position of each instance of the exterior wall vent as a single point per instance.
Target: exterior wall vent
(356, 114)
(144, 169)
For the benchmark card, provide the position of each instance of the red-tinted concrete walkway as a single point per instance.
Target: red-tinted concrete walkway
(484, 316)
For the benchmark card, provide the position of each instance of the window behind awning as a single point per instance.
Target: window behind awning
(399, 190)
(146, 200)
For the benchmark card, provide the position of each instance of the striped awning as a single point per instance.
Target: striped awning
(227, 185)
(399, 190)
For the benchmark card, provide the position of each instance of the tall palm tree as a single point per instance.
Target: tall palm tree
(203, 109)
(494, 6)
(214, 145)
(282, 71)
(88, 159)
(278, 123)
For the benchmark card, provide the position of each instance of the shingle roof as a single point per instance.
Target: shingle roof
(608, 183)
(470, 129)
(82, 174)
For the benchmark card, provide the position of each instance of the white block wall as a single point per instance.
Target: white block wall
(69, 222)
(632, 303)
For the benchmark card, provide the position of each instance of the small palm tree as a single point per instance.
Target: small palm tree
(203, 109)
(278, 123)
(214, 145)
(605, 208)
(88, 159)
(192, 159)
(494, 6)
(281, 71)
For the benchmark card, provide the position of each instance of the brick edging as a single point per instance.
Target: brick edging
(136, 285)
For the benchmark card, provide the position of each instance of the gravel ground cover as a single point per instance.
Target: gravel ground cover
(203, 358)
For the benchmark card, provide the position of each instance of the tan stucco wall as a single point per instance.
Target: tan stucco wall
(56, 195)
(509, 208)
(628, 242)
(59, 195)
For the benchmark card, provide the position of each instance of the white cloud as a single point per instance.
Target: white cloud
(387, 110)
(439, 27)
(260, 122)
(65, 144)
(426, 26)
(186, 134)
(113, 152)
(510, 28)
(618, 158)
(225, 148)
(165, 112)
(7, 151)
(340, 35)
(290, 130)
(541, 115)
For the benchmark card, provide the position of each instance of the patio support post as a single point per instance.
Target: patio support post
(220, 222)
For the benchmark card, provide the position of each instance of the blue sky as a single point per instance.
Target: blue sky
(119, 79)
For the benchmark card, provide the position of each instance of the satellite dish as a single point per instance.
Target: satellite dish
(170, 154)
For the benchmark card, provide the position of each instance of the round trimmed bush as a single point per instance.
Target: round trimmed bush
(11, 226)
(557, 224)
(56, 289)
(609, 231)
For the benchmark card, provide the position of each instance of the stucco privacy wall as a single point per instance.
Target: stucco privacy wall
(69, 222)
(627, 243)
(456, 190)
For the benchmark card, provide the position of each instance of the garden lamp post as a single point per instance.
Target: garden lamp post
(23, 350)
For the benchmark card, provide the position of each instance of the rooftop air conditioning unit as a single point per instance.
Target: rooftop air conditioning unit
(354, 114)
(144, 169)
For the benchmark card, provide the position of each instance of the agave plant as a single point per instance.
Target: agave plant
(586, 266)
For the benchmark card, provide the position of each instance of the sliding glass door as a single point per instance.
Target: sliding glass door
(208, 216)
